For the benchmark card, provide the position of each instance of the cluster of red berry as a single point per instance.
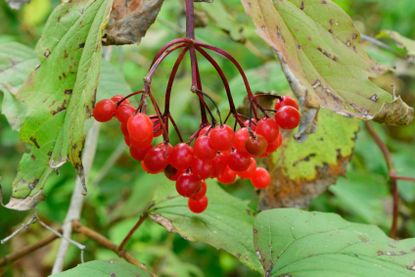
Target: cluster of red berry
(218, 151)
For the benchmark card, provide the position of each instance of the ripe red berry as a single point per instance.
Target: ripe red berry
(104, 110)
(202, 149)
(227, 176)
(241, 137)
(124, 112)
(157, 158)
(139, 153)
(249, 172)
(221, 138)
(268, 128)
(204, 130)
(181, 156)
(257, 145)
(203, 169)
(286, 101)
(220, 162)
(117, 98)
(253, 123)
(288, 117)
(140, 128)
(157, 128)
(261, 178)
(198, 206)
(188, 185)
(238, 161)
(202, 191)
(172, 173)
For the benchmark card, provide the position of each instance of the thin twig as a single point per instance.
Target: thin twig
(24, 227)
(103, 241)
(77, 200)
(391, 172)
(27, 250)
(140, 221)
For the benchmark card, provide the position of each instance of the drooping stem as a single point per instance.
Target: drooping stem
(140, 221)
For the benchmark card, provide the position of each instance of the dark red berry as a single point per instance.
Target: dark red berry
(188, 185)
(227, 176)
(220, 162)
(104, 110)
(124, 112)
(204, 130)
(288, 117)
(157, 158)
(203, 169)
(140, 128)
(221, 138)
(181, 156)
(238, 161)
(249, 172)
(286, 101)
(197, 206)
(202, 191)
(202, 149)
(268, 128)
(241, 137)
(157, 128)
(261, 178)
(117, 98)
(172, 173)
(257, 145)
(139, 153)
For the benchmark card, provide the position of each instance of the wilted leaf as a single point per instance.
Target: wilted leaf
(320, 52)
(130, 20)
(59, 95)
(402, 42)
(111, 268)
(226, 223)
(302, 171)
(297, 243)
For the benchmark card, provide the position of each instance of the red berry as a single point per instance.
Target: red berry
(253, 124)
(257, 145)
(104, 110)
(181, 156)
(172, 173)
(157, 128)
(157, 158)
(274, 145)
(188, 185)
(288, 117)
(238, 161)
(140, 128)
(221, 138)
(198, 206)
(220, 162)
(202, 191)
(124, 112)
(227, 176)
(204, 130)
(139, 153)
(241, 137)
(268, 128)
(202, 149)
(249, 172)
(261, 178)
(117, 98)
(286, 101)
(203, 169)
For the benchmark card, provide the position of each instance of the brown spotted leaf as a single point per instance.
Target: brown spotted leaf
(130, 20)
(58, 96)
(320, 52)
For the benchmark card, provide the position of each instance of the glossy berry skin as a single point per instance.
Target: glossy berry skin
(221, 138)
(274, 145)
(261, 178)
(257, 145)
(202, 191)
(288, 117)
(268, 128)
(202, 148)
(172, 173)
(157, 158)
(181, 156)
(203, 169)
(117, 98)
(227, 176)
(124, 112)
(240, 139)
(220, 162)
(286, 101)
(157, 128)
(138, 153)
(238, 161)
(249, 172)
(140, 128)
(188, 185)
(205, 130)
(104, 110)
(198, 206)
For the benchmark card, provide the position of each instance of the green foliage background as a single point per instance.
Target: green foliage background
(116, 200)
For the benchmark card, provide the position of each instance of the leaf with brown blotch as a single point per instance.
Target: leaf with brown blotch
(130, 20)
(320, 52)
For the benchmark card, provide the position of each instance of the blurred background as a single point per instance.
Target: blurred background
(118, 187)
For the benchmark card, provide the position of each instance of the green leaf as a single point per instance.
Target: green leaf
(116, 267)
(320, 52)
(402, 42)
(16, 63)
(59, 95)
(292, 242)
(226, 223)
